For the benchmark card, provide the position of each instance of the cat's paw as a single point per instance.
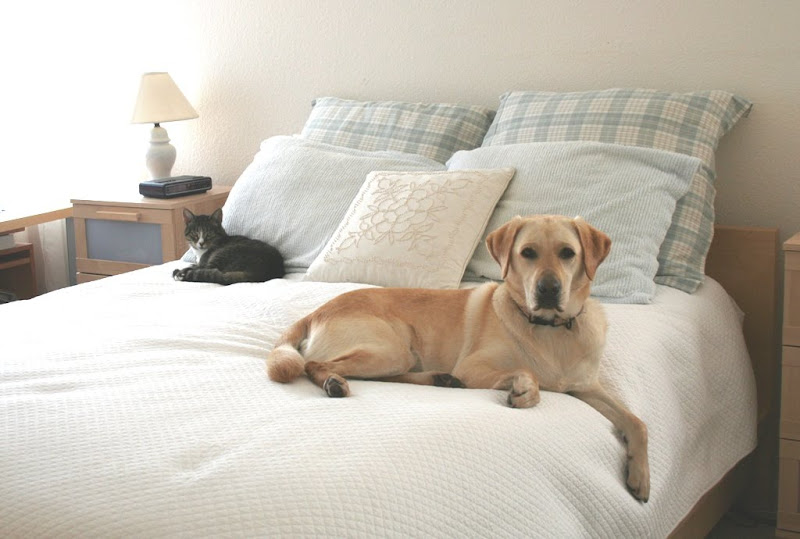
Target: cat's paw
(180, 274)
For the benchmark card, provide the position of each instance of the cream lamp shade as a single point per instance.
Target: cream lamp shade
(160, 100)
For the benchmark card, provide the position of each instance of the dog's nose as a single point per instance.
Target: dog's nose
(548, 287)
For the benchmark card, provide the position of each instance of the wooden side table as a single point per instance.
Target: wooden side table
(789, 456)
(17, 263)
(18, 271)
(32, 213)
(116, 235)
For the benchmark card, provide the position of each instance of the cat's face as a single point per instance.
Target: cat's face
(202, 230)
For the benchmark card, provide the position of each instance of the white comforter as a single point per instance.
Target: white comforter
(138, 406)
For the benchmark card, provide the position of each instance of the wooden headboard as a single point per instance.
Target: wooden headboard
(745, 262)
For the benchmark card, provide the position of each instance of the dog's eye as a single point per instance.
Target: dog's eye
(566, 253)
(529, 253)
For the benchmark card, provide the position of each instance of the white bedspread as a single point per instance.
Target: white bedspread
(138, 406)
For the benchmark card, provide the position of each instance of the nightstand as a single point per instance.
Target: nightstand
(789, 457)
(17, 262)
(18, 271)
(116, 235)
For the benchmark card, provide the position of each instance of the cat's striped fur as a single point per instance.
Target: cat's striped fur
(225, 259)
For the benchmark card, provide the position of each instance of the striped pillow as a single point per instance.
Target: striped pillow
(435, 130)
(687, 123)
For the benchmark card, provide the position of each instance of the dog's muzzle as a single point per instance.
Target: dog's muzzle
(548, 293)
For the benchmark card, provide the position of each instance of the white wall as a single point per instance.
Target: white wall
(252, 67)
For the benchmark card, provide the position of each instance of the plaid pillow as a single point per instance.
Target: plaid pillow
(688, 123)
(435, 130)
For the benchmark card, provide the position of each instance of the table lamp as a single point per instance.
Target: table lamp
(160, 100)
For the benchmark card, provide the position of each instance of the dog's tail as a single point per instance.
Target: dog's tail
(284, 362)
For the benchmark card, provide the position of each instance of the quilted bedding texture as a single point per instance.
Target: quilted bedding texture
(138, 406)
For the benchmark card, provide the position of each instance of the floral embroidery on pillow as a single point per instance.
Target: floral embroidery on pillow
(412, 229)
(405, 213)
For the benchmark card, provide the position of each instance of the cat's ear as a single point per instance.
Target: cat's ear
(187, 216)
(217, 215)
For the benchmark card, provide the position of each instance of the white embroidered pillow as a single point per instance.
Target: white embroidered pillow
(412, 229)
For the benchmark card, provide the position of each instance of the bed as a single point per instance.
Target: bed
(145, 410)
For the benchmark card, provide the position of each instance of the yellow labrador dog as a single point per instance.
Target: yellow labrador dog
(538, 329)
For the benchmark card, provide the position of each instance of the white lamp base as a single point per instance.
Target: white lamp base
(161, 154)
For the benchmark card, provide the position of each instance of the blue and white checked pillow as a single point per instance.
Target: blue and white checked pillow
(435, 130)
(688, 123)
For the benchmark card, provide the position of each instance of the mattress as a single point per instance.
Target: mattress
(138, 406)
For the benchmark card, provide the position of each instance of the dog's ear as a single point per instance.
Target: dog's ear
(594, 244)
(501, 241)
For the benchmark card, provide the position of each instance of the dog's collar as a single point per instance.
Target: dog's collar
(555, 322)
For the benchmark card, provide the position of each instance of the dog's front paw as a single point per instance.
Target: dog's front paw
(524, 392)
(336, 386)
(639, 479)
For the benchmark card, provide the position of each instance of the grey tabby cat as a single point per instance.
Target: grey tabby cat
(225, 259)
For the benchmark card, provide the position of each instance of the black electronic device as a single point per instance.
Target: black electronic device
(175, 186)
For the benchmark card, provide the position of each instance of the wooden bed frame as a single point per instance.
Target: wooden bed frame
(745, 262)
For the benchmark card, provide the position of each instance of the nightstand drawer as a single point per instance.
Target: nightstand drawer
(113, 240)
(131, 215)
(789, 486)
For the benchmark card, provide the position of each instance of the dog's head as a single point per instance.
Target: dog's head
(549, 261)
